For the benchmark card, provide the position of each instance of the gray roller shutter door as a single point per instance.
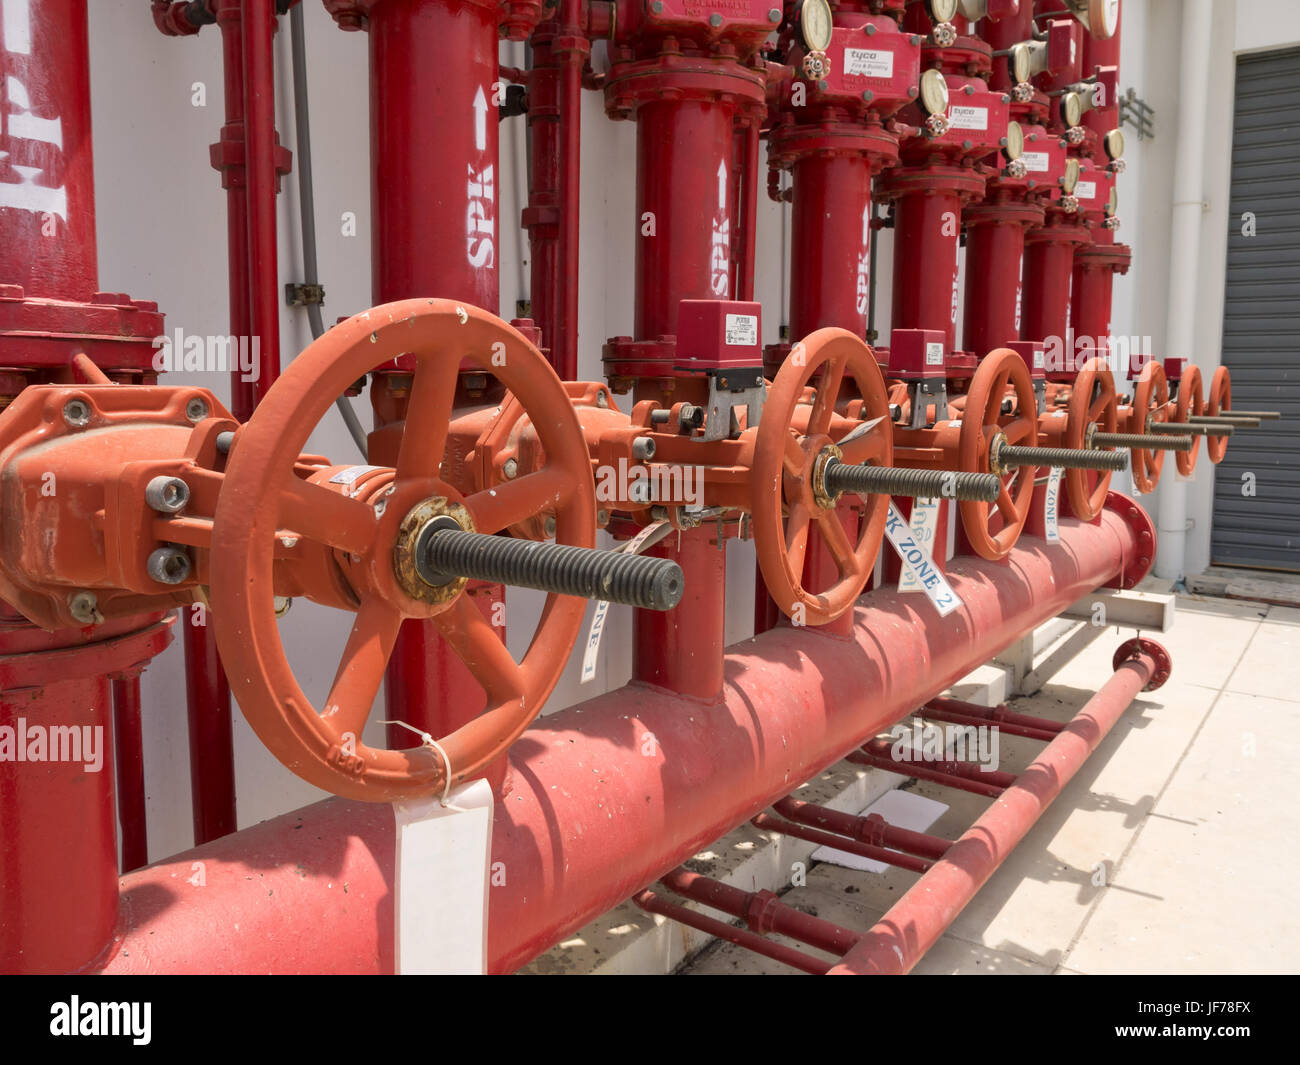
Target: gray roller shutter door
(1261, 320)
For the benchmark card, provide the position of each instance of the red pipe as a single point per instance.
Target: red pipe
(742, 937)
(129, 750)
(831, 239)
(591, 819)
(998, 714)
(211, 735)
(995, 245)
(938, 714)
(872, 829)
(762, 911)
(960, 775)
(918, 919)
(927, 233)
(831, 839)
(257, 31)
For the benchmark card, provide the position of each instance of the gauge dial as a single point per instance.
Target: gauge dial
(815, 25)
(934, 93)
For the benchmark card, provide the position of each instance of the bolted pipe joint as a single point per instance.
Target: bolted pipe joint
(445, 552)
(842, 477)
(1003, 456)
(1143, 442)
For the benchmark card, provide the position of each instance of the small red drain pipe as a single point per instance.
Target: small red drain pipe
(914, 923)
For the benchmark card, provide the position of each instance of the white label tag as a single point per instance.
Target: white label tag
(968, 117)
(592, 651)
(1036, 162)
(933, 354)
(1051, 507)
(868, 62)
(1039, 360)
(932, 581)
(440, 890)
(1085, 190)
(350, 475)
(742, 330)
(923, 525)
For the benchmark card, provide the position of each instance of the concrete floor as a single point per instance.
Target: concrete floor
(1170, 852)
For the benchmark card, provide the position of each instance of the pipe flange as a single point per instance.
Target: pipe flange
(406, 549)
(1139, 645)
(1133, 568)
(824, 499)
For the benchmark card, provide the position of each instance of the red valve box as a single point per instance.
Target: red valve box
(719, 335)
(1034, 356)
(915, 354)
(872, 64)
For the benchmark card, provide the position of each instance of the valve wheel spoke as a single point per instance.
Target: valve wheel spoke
(794, 458)
(512, 502)
(828, 391)
(479, 647)
(361, 669)
(796, 536)
(837, 542)
(429, 412)
(327, 517)
(1019, 429)
(1007, 506)
(869, 447)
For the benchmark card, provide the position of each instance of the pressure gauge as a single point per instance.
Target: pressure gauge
(934, 93)
(1015, 142)
(1113, 144)
(1103, 18)
(1071, 177)
(1112, 204)
(1071, 109)
(815, 25)
(943, 10)
(1021, 62)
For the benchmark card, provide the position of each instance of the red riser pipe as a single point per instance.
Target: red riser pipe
(681, 144)
(927, 228)
(950, 774)
(914, 924)
(995, 245)
(128, 747)
(742, 937)
(839, 842)
(829, 230)
(1045, 300)
(576, 842)
(211, 735)
(863, 829)
(257, 29)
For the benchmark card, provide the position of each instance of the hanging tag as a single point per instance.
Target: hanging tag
(923, 525)
(647, 537)
(923, 569)
(440, 902)
(1052, 506)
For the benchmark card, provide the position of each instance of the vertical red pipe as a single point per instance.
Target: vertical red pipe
(684, 191)
(1048, 266)
(995, 245)
(927, 233)
(552, 217)
(435, 206)
(211, 736)
(129, 749)
(58, 834)
(829, 233)
(263, 279)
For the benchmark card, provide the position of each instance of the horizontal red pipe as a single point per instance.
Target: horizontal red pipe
(965, 776)
(935, 713)
(590, 819)
(762, 911)
(914, 923)
(730, 933)
(999, 714)
(844, 843)
(866, 829)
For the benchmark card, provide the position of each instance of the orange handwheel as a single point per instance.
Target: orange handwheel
(265, 505)
(1150, 404)
(1093, 401)
(1190, 401)
(993, 528)
(1220, 400)
(791, 445)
